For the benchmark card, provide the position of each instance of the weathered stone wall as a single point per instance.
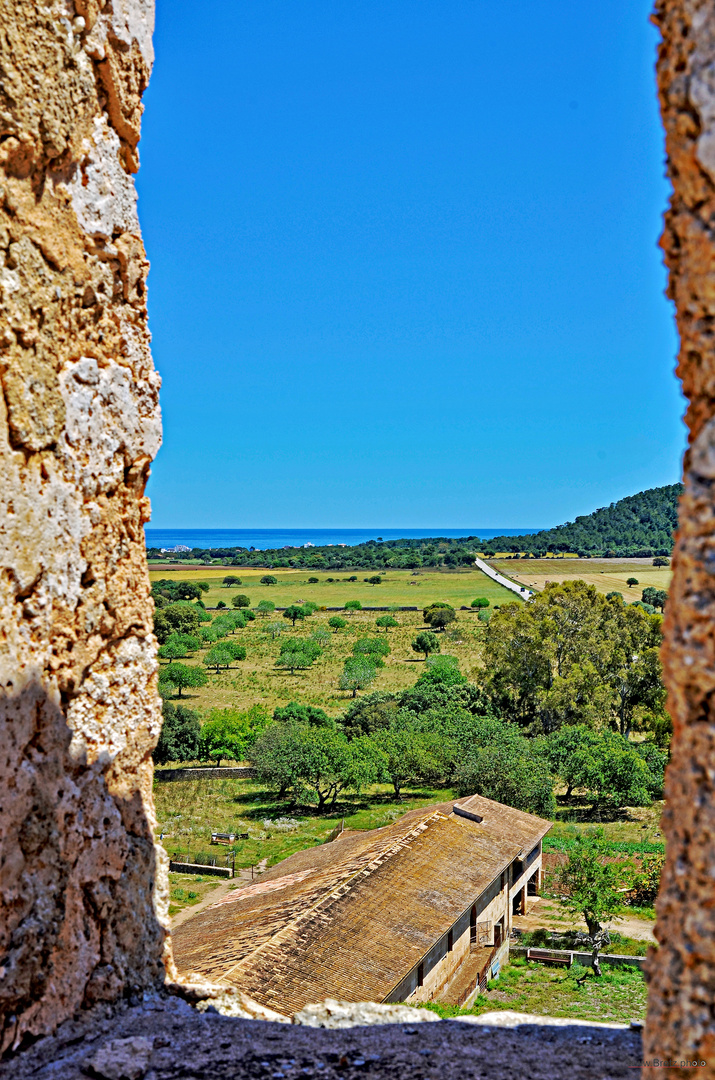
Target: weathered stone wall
(681, 1011)
(79, 880)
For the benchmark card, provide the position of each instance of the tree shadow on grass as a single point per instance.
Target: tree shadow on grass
(580, 811)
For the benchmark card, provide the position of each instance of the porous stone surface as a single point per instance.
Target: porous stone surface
(681, 1006)
(80, 880)
(187, 1045)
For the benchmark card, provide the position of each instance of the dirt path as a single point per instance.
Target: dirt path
(243, 877)
(549, 914)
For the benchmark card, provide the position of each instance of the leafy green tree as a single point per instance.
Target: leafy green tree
(321, 637)
(303, 714)
(337, 623)
(655, 597)
(660, 560)
(439, 615)
(269, 579)
(229, 734)
(591, 883)
(172, 650)
(265, 607)
(647, 881)
(603, 764)
(409, 755)
(426, 642)
(313, 580)
(631, 581)
(614, 595)
(374, 649)
(187, 590)
(298, 654)
(571, 656)
(209, 635)
(238, 652)
(385, 622)
(237, 620)
(353, 605)
(219, 656)
(179, 737)
(509, 770)
(309, 607)
(369, 714)
(480, 602)
(374, 580)
(180, 677)
(358, 674)
(189, 642)
(274, 630)
(294, 612)
(317, 763)
(223, 624)
(230, 580)
(220, 604)
(175, 619)
(240, 600)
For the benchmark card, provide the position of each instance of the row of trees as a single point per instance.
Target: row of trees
(442, 729)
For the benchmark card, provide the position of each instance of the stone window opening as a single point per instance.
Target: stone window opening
(78, 819)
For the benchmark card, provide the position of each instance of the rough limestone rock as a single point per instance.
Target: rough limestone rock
(681, 1004)
(188, 1046)
(81, 882)
(344, 1014)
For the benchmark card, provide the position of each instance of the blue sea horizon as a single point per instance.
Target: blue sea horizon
(262, 539)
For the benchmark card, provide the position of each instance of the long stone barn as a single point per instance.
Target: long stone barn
(417, 911)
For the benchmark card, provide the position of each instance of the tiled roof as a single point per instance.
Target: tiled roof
(348, 919)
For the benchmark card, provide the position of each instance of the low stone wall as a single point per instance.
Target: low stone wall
(165, 775)
(196, 868)
(614, 959)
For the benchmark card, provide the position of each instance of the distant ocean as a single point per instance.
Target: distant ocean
(261, 539)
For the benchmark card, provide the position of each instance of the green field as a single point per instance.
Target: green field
(257, 679)
(608, 575)
(403, 587)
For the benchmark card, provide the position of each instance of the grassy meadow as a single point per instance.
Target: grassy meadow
(257, 679)
(618, 996)
(402, 587)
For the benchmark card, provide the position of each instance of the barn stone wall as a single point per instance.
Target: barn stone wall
(80, 880)
(681, 1009)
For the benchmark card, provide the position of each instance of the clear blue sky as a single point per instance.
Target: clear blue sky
(404, 262)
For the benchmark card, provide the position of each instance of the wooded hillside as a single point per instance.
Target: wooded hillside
(638, 526)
